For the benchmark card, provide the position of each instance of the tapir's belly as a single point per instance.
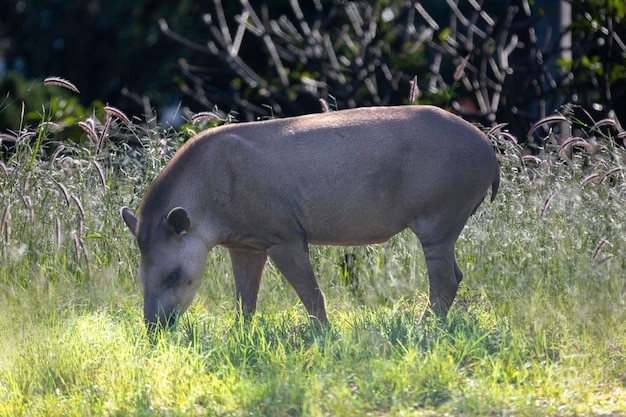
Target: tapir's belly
(354, 227)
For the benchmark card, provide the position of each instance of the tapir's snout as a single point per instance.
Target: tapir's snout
(158, 318)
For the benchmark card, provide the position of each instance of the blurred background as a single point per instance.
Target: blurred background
(491, 61)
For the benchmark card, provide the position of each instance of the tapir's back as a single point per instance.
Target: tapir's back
(348, 177)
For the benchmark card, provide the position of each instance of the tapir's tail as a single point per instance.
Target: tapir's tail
(494, 189)
(496, 184)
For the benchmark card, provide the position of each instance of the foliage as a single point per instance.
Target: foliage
(538, 328)
(489, 62)
(109, 49)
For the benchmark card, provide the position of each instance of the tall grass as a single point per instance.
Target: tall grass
(538, 328)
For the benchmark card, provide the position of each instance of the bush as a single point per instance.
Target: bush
(488, 63)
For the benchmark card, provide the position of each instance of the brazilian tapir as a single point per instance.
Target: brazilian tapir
(271, 188)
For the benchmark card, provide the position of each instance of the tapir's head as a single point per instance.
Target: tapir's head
(173, 256)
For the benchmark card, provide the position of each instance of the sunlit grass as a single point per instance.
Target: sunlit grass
(538, 328)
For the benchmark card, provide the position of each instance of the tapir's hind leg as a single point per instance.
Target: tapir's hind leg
(247, 269)
(292, 260)
(444, 274)
(442, 278)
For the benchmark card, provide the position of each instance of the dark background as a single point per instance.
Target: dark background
(119, 53)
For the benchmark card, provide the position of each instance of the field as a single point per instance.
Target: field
(538, 328)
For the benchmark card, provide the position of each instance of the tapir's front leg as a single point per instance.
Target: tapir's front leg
(247, 269)
(292, 259)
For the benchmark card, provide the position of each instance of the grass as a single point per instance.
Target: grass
(538, 328)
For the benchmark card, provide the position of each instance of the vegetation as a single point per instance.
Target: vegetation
(280, 57)
(520, 62)
(539, 327)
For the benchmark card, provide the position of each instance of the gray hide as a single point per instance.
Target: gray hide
(273, 187)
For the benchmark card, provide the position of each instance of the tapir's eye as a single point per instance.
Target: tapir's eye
(173, 278)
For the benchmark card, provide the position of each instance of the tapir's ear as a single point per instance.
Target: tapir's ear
(178, 221)
(129, 219)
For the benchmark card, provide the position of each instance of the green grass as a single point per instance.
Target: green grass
(538, 328)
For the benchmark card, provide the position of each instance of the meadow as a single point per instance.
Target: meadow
(538, 328)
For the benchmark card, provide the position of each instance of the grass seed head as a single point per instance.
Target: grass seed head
(77, 246)
(547, 203)
(588, 179)
(611, 172)
(61, 82)
(603, 242)
(66, 195)
(545, 121)
(89, 128)
(103, 134)
(324, 106)
(56, 153)
(26, 182)
(205, 115)
(79, 206)
(460, 69)
(57, 235)
(8, 139)
(25, 136)
(101, 175)
(413, 90)
(28, 203)
(114, 111)
(5, 224)
(603, 122)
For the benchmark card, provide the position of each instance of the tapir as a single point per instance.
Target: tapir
(274, 187)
